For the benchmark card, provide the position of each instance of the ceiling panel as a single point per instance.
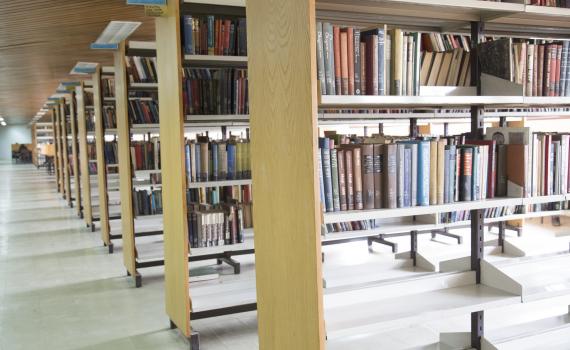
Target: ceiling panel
(41, 40)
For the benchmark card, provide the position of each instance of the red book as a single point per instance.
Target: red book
(336, 47)
(557, 75)
(350, 37)
(228, 26)
(540, 76)
(491, 169)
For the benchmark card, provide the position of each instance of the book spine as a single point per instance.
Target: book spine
(558, 63)
(350, 57)
(334, 179)
(349, 179)
(211, 44)
(535, 82)
(391, 176)
(342, 180)
(407, 177)
(321, 180)
(529, 71)
(433, 173)
(188, 38)
(378, 175)
(424, 155)
(540, 68)
(367, 154)
(452, 167)
(381, 62)
(328, 59)
(336, 61)
(440, 171)
(396, 62)
(401, 160)
(466, 174)
(357, 178)
(231, 161)
(552, 90)
(321, 59)
(363, 71)
(446, 178)
(564, 68)
(344, 62)
(357, 62)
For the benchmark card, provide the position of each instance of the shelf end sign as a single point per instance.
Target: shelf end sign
(155, 10)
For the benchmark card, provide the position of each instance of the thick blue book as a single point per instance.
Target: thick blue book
(407, 178)
(188, 40)
(424, 166)
(324, 145)
(231, 161)
(188, 163)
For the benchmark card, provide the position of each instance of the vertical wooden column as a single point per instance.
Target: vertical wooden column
(65, 154)
(83, 155)
(55, 133)
(60, 148)
(283, 109)
(124, 155)
(101, 163)
(169, 56)
(75, 153)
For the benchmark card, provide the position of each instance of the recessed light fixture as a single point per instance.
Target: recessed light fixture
(3, 123)
(1, 119)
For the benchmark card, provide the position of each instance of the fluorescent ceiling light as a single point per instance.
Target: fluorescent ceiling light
(3, 123)
(1, 119)
(114, 33)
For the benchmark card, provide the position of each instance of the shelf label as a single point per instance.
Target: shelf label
(155, 10)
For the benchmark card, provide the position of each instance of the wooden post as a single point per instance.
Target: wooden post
(34, 145)
(101, 163)
(60, 150)
(83, 156)
(55, 133)
(282, 73)
(74, 153)
(169, 55)
(124, 155)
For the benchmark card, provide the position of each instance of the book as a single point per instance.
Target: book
(367, 161)
(378, 175)
(214, 35)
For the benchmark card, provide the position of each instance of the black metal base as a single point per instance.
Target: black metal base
(92, 227)
(380, 240)
(110, 247)
(230, 310)
(445, 232)
(233, 263)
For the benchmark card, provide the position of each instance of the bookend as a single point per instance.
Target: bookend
(380, 240)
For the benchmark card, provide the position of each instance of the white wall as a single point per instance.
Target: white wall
(13, 134)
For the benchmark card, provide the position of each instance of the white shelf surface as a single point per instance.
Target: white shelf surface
(145, 174)
(216, 59)
(144, 85)
(356, 215)
(238, 3)
(208, 184)
(405, 303)
(540, 277)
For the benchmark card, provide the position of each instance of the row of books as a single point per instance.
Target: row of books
(215, 91)
(218, 225)
(145, 155)
(141, 69)
(351, 61)
(551, 3)
(109, 117)
(88, 99)
(147, 202)
(90, 120)
(542, 68)
(108, 87)
(488, 213)
(381, 172)
(214, 35)
(209, 160)
(143, 111)
(111, 152)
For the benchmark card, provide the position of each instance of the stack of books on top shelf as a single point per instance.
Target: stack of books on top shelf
(111, 152)
(215, 91)
(141, 69)
(541, 67)
(147, 202)
(145, 155)
(382, 172)
(109, 117)
(353, 61)
(214, 35)
(108, 87)
(551, 3)
(208, 160)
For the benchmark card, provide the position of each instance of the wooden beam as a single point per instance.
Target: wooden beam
(169, 55)
(60, 150)
(34, 145)
(124, 155)
(101, 163)
(83, 155)
(65, 155)
(74, 153)
(283, 115)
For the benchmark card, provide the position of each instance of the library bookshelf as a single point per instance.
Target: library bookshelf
(290, 296)
(293, 300)
(42, 135)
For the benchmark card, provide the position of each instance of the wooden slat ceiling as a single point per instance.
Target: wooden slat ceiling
(41, 40)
